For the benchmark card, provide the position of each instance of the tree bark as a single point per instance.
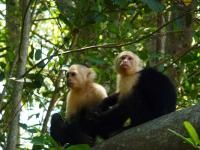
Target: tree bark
(17, 90)
(180, 43)
(156, 45)
(154, 135)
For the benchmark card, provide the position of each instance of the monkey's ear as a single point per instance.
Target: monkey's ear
(91, 74)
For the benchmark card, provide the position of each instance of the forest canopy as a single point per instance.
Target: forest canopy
(40, 39)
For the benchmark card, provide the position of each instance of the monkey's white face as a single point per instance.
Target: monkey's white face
(75, 77)
(125, 62)
(71, 78)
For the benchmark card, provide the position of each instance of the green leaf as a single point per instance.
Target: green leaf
(23, 125)
(11, 56)
(192, 132)
(129, 27)
(38, 54)
(65, 20)
(130, 12)
(2, 76)
(96, 7)
(96, 60)
(79, 147)
(95, 69)
(143, 55)
(37, 115)
(111, 27)
(178, 23)
(194, 94)
(32, 52)
(53, 142)
(61, 61)
(154, 5)
(49, 54)
(61, 6)
(32, 130)
(181, 137)
(38, 140)
(41, 65)
(101, 18)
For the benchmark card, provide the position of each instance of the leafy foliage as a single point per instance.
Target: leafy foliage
(93, 32)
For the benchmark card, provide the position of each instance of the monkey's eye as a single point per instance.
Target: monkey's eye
(73, 74)
(129, 58)
(67, 75)
(122, 58)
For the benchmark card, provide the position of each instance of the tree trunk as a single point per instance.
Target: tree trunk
(180, 42)
(21, 66)
(154, 135)
(156, 44)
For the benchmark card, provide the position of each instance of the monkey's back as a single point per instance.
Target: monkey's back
(153, 96)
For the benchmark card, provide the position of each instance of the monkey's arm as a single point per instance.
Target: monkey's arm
(105, 104)
(118, 114)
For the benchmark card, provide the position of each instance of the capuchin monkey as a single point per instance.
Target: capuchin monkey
(143, 94)
(84, 94)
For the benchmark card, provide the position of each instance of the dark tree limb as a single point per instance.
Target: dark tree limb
(154, 135)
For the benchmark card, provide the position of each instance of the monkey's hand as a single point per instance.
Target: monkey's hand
(95, 112)
(84, 138)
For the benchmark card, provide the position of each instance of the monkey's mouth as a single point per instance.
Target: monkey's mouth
(70, 84)
(125, 66)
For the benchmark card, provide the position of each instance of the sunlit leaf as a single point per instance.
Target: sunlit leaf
(187, 2)
(130, 28)
(11, 56)
(61, 61)
(192, 132)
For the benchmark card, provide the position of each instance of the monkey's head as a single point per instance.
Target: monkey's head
(127, 63)
(79, 75)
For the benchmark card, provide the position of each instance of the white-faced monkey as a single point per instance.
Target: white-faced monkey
(84, 94)
(143, 94)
